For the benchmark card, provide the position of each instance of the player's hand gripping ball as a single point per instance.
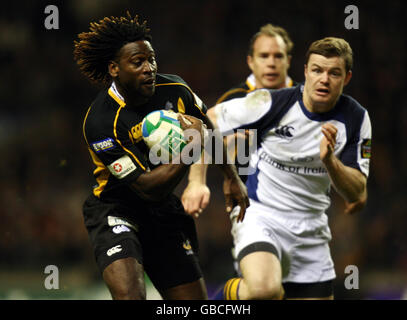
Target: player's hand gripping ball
(163, 135)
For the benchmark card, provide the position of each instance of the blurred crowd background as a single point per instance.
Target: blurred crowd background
(46, 172)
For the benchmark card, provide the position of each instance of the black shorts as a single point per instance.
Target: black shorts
(162, 238)
(308, 290)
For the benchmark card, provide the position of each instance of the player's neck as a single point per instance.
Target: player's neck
(135, 100)
(315, 107)
(131, 99)
(285, 84)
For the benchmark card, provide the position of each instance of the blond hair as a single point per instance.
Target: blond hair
(272, 31)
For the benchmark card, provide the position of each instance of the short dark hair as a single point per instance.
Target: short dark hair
(272, 31)
(332, 47)
(96, 48)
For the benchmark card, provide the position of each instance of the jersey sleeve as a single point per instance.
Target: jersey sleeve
(116, 152)
(357, 151)
(232, 94)
(189, 102)
(192, 105)
(236, 113)
(199, 108)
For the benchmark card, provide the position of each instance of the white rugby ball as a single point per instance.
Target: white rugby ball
(163, 135)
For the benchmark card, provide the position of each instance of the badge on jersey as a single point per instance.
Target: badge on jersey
(366, 148)
(103, 145)
(122, 167)
(116, 221)
(187, 246)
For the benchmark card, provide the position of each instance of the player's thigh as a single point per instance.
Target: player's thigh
(116, 246)
(261, 270)
(195, 290)
(119, 257)
(257, 247)
(171, 259)
(125, 279)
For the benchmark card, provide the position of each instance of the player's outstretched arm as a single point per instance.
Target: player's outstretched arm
(234, 190)
(196, 195)
(349, 182)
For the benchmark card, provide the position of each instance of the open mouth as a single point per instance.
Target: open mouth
(149, 82)
(271, 76)
(322, 91)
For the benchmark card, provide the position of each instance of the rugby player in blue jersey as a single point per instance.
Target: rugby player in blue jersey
(310, 138)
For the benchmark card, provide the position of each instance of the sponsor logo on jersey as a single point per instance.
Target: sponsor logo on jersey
(114, 250)
(136, 132)
(117, 167)
(296, 169)
(116, 221)
(302, 159)
(120, 229)
(284, 132)
(103, 145)
(122, 167)
(366, 148)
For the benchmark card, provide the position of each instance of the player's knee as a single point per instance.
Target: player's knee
(266, 290)
(125, 280)
(126, 291)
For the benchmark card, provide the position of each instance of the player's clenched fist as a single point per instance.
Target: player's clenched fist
(328, 141)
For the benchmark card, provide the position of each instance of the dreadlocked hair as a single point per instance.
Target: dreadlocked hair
(96, 48)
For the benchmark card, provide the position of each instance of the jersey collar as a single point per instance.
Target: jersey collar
(114, 93)
(333, 114)
(251, 82)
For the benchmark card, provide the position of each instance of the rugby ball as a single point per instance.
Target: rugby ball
(163, 135)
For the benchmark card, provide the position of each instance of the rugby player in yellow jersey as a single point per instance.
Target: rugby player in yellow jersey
(134, 220)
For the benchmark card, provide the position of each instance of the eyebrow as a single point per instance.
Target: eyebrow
(135, 54)
(266, 51)
(331, 69)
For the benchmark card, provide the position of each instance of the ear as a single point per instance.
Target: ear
(113, 68)
(347, 78)
(250, 62)
(289, 60)
(305, 71)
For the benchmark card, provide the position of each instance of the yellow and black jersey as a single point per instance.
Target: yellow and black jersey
(242, 89)
(112, 131)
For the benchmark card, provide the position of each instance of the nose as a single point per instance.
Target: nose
(271, 61)
(324, 77)
(148, 67)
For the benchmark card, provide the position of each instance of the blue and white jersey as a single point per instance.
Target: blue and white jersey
(289, 175)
